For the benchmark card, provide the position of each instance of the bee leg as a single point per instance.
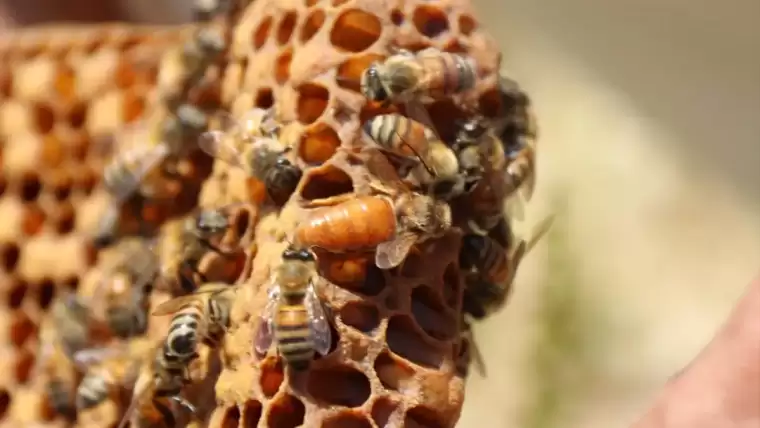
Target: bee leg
(166, 413)
(182, 402)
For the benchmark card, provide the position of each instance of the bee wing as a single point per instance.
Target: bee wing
(539, 230)
(85, 358)
(383, 173)
(137, 398)
(220, 144)
(320, 326)
(265, 330)
(391, 253)
(418, 112)
(143, 161)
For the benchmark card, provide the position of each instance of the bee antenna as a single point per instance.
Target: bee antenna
(418, 155)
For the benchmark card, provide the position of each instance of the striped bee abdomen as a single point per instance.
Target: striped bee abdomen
(293, 335)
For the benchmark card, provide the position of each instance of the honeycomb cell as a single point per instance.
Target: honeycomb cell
(9, 256)
(337, 3)
(22, 369)
(431, 314)
(65, 218)
(261, 34)
(362, 316)
(282, 66)
(52, 152)
(133, 105)
(65, 81)
(374, 282)
(264, 98)
(346, 271)
(422, 417)
(33, 220)
(346, 420)
(85, 179)
(287, 412)
(60, 184)
(16, 293)
(467, 24)
(310, 3)
(312, 24)
(287, 25)
(397, 17)
(355, 30)
(6, 83)
(430, 20)
(231, 418)
(78, 146)
(318, 143)
(382, 409)
(312, 101)
(3, 184)
(349, 72)
(44, 117)
(22, 328)
(30, 187)
(271, 376)
(326, 182)
(341, 385)
(405, 341)
(252, 414)
(5, 402)
(393, 373)
(45, 294)
(71, 283)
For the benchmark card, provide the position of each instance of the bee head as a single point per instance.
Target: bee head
(210, 222)
(372, 85)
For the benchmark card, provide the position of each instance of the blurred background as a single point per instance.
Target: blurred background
(649, 155)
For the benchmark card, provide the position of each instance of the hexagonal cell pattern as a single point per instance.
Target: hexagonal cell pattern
(396, 334)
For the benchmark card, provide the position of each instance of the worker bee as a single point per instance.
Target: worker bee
(137, 168)
(423, 155)
(125, 289)
(390, 222)
(294, 316)
(187, 240)
(490, 269)
(201, 316)
(107, 369)
(254, 146)
(205, 10)
(157, 391)
(429, 73)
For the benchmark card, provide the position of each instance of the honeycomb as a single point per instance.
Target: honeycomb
(398, 357)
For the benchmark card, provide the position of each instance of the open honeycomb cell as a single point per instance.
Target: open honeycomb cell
(396, 354)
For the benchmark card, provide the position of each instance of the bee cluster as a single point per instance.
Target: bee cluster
(394, 194)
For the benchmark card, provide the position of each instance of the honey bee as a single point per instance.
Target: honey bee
(205, 10)
(126, 287)
(188, 240)
(201, 316)
(429, 73)
(107, 369)
(390, 222)
(157, 390)
(67, 331)
(137, 168)
(491, 269)
(194, 59)
(423, 155)
(517, 135)
(254, 146)
(294, 316)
